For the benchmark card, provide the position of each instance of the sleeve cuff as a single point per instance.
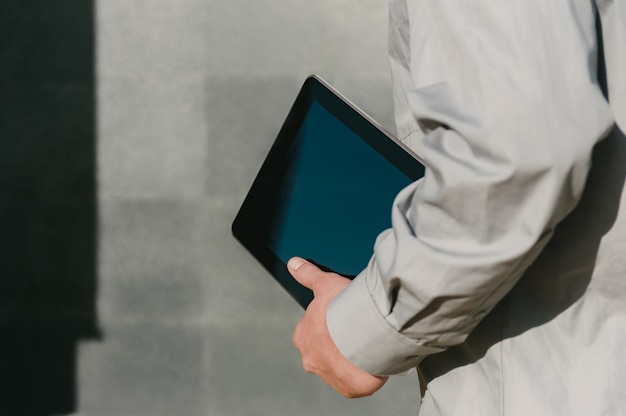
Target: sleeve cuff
(365, 338)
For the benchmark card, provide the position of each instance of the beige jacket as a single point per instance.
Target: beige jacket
(504, 275)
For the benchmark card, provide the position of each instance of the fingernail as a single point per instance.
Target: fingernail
(295, 263)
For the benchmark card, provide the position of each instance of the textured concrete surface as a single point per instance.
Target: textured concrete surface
(189, 95)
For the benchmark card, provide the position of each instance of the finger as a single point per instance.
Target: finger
(296, 338)
(303, 271)
(308, 366)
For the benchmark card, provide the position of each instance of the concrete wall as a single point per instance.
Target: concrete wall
(188, 97)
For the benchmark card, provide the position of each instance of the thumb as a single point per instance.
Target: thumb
(303, 271)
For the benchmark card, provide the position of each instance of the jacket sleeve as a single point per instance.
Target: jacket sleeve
(508, 97)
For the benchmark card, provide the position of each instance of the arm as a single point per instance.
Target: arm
(512, 110)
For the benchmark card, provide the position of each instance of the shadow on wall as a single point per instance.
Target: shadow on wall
(48, 218)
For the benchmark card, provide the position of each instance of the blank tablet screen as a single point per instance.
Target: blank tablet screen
(325, 190)
(333, 199)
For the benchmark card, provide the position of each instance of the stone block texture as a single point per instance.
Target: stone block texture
(130, 133)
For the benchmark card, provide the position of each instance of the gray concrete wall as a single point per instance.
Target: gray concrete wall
(189, 95)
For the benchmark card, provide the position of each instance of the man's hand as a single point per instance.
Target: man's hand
(320, 355)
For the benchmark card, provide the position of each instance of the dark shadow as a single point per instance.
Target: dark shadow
(48, 211)
(562, 272)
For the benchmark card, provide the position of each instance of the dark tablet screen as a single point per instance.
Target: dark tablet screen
(327, 193)
(333, 199)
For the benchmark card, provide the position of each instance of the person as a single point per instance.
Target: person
(503, 275)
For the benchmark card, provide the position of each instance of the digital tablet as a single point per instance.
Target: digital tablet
(325, 190)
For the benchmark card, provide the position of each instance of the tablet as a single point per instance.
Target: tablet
(325, 190)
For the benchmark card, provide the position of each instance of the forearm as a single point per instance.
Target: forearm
(507, 152)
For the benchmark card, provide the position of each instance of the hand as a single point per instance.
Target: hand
(320, 355)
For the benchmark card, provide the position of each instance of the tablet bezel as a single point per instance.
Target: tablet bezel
(313, 89)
